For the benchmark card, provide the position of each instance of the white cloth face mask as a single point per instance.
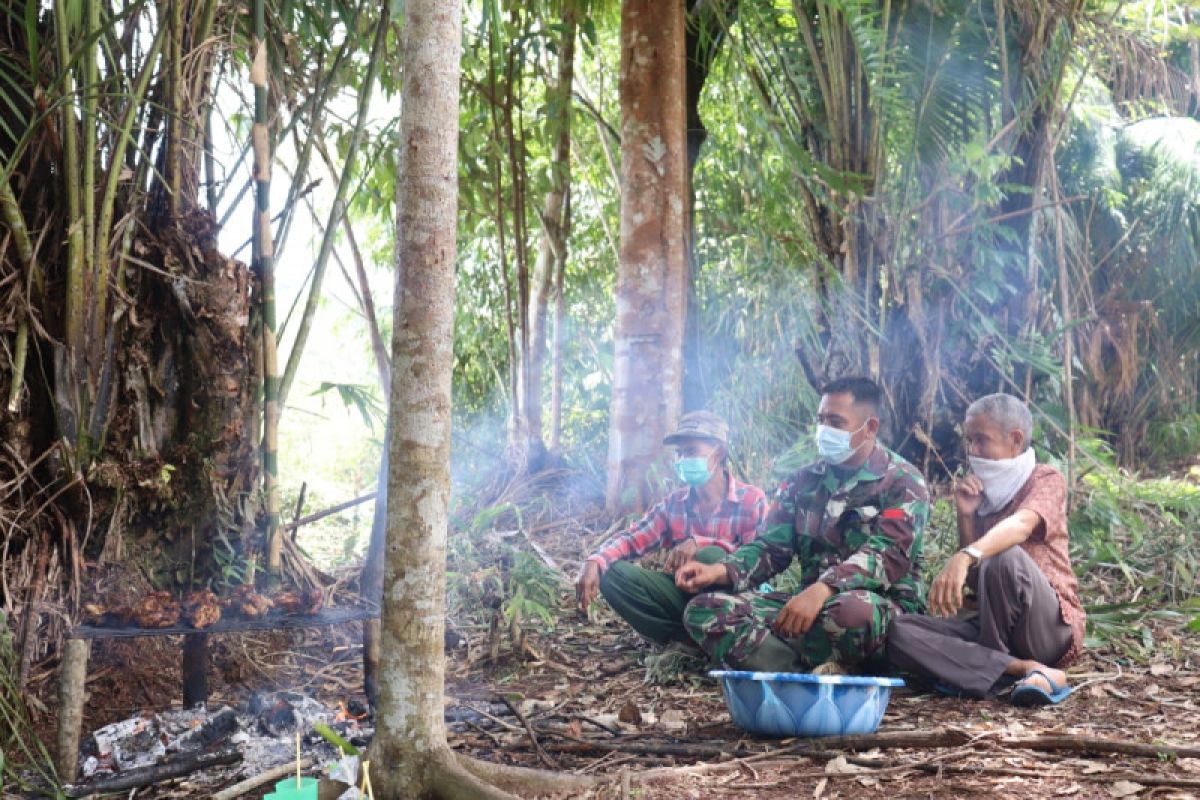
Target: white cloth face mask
(1002, 478)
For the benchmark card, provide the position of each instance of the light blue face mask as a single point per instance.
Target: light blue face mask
(693, 471)
(834, 444)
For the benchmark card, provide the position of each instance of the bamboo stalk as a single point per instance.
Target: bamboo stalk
(263, 253)
(339, 206)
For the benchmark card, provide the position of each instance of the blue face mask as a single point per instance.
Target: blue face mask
(834, 444)
(693, 471)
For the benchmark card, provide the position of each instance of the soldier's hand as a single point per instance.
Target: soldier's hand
(694, 577)
(801, 611)
(946, 591)
(587, 585)
(968, 494)
(680, 555)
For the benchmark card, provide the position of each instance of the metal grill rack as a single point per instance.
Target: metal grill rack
(273, 621)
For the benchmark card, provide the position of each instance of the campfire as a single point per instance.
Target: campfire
(228, 744)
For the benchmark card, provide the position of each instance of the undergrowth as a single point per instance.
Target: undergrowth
(25, 764)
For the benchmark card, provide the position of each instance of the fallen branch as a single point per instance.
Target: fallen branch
(542, 755)
(250, 784)
(1144, 780)
(148, 776)
(886, 740)
(327, 512)
(1094, 744)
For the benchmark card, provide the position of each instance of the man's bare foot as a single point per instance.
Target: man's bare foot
(830, 668)
(1024, 669)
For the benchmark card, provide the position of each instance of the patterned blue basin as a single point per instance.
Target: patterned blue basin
(797, 704)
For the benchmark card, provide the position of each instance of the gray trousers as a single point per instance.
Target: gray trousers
(1019, 618)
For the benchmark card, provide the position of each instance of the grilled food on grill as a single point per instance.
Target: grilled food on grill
(297, 602)
(201, 609)
(247, 602)
(102, 616)
(156, 610)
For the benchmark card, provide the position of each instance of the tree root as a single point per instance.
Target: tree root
(525, 780)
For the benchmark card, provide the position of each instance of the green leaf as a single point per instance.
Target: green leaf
(331, 736)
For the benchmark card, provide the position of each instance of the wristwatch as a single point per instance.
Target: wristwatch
(973, 553)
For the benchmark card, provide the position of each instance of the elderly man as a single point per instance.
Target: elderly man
(854, 521)
(1012, 528)
(706, 519)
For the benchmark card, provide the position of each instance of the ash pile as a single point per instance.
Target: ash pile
(225, 745)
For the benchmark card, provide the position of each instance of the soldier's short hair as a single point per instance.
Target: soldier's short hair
(1007, 412)
(864, 391)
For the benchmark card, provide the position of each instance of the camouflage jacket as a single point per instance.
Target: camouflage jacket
(863, 530)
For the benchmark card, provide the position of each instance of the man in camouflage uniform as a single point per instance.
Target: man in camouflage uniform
(855, 520)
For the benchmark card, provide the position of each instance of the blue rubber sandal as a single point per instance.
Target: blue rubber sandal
(1025, 694)
(1002, 683)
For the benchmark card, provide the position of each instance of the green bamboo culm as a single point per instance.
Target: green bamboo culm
(263, 254)
(339, 203)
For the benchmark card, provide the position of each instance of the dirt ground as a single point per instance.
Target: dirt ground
(589, 697)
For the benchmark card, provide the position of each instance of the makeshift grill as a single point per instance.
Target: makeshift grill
(271, 621)
(72, 687)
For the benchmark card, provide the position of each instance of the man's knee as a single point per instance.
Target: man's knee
(848, 611)
(706, 612)
(1003, 568)
(710, 554)
(616, 577)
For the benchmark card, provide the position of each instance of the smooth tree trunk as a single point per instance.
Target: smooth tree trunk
(410, 751)
(410, 746)
(651, 294)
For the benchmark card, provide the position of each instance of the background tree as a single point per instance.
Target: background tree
(651, 295)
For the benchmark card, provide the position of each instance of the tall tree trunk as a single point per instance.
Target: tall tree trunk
(651, 294)
(411, 734)
(552, 249)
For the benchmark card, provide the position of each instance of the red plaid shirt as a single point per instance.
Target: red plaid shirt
(674, 520)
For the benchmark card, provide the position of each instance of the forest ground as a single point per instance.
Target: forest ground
(594, 699)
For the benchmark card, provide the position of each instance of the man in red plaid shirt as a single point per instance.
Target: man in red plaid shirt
(704, 521)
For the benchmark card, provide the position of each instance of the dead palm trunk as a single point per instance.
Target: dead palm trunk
(651, 291)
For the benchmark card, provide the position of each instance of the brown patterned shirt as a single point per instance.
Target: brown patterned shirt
(1046, 494)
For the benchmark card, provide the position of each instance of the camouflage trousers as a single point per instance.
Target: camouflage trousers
(735, 630)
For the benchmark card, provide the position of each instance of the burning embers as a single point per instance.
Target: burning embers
(202, 609)
(263, 729)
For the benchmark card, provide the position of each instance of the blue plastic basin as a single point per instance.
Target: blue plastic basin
(797, 704)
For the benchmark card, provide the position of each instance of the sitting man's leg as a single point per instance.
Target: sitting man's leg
(850, 630)
(735, 630)
(1019, 629)
(649, 600)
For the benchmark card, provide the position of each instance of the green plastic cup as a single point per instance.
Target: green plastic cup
(288, 790)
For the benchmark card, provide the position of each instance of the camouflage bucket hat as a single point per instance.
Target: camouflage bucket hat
(700, 425)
